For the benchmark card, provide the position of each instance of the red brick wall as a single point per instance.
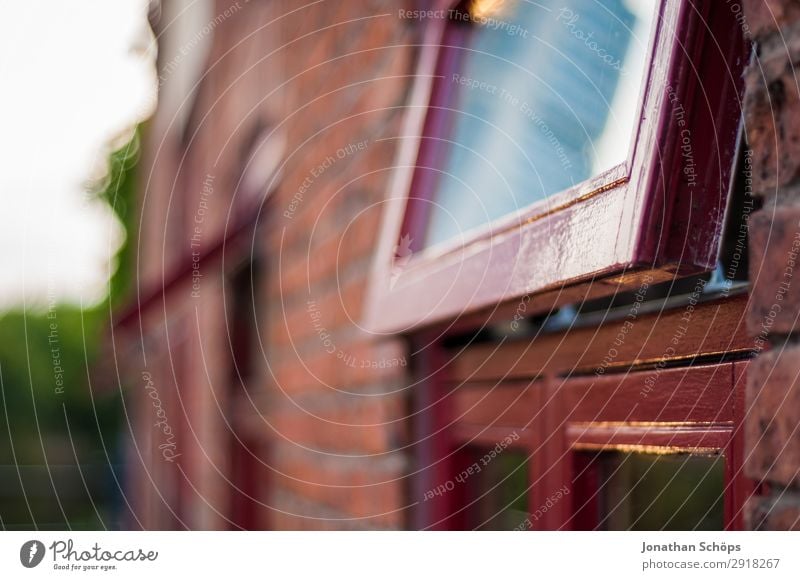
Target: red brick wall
(340, 422)
(326, 407)
(772, 116)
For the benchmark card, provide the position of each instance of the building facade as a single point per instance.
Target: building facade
(316, 343)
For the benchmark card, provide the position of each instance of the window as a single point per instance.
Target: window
(547, 434)
(649, 491)
(497, 497)
(248, 471)
(614, 177)
(586, 181)
(242, 322)
(541, 102)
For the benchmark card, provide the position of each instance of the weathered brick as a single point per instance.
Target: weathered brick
(363, 488)
(772, 432)
(340, 75)
(774, 271)
(764, 17)
(772, 107)
(771, 514)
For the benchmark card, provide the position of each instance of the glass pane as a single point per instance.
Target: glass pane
(499, 490)
(660, 492)
(546, 97)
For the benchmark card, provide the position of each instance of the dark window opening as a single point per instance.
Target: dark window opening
(497, 495)
(650, 492)
(243, 320)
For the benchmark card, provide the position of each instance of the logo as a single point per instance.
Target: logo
(31, 553)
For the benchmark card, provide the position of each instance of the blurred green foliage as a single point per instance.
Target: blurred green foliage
(60, 424)
(120, 194)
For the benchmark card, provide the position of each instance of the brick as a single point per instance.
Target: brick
(327, 244)
(361, 488)
(366, 425)
(772, 435)
(774, 271)
(772, 107)
(770, 514)
(301, 514)
(763, 17)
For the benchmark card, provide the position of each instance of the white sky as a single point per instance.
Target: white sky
(74, 75)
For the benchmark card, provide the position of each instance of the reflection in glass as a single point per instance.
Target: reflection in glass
(546, 97)
(660, 492)
(497, 495)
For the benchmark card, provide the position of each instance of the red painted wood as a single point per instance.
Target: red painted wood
(708, 86)
(555, 471)
(584, 511)
(698, 394)
(569, 239)
(508, 405)
(739, 488)
(232, 242)
(567, 246)
(579, 437)
(702, 398)
(435, 455)
(689, 408)
(716, 327)
(438, 120)
(487, 436)
(246, 484)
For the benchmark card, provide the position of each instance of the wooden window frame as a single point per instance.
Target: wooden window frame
(639, 218)
(549, 392)
(696, 410)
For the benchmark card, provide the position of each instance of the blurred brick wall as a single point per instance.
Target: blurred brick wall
(772, 117)
(345, 102)
(331, 80)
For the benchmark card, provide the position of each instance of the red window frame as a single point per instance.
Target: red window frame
(696, 410)
(548, 392)
(639, 217)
